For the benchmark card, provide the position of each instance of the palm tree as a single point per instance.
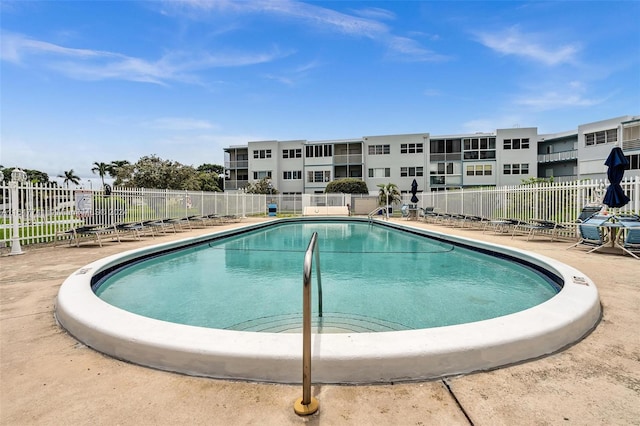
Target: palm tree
(102, 169)
(70, 176)
(389, 194)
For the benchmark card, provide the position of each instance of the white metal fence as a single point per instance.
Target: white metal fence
(38, 212)
(42, 211)
(560, 202)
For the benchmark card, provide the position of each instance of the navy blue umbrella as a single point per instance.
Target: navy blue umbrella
(617, 163)
(414, 190)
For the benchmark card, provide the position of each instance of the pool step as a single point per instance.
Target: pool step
(330, 322)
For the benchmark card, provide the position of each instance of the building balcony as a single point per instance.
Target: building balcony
(348, 159)
(234, 185)
(242, 164)
(558, 156)
(630, 145)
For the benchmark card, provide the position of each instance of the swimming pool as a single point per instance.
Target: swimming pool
(337, 358)
(375, 278)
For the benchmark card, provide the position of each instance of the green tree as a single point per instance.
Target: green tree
(263, 186)
(388, 194)
(211, 177)
(101, 169)
(154, 172)
(121, 171)
(209, 182)
(347, 186)
(33, 176)
(211, 168)
(70, 177)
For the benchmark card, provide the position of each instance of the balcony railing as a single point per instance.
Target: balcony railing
(348, 159)
(631, 144)
(558, 156)
(243, 164)
(232, 185)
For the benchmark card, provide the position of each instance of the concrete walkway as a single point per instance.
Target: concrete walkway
(48, 378)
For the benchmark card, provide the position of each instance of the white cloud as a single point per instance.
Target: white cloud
(529, 45)
(89, 64)
(375, 13)
(367, 24)
(571, 94)
(556, 99)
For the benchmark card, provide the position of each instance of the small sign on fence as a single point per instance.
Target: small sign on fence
(84, 203)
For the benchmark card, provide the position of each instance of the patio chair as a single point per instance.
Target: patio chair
(474, 221)
(591, 235)
(423, 212)
(587, 212)
(631, 241)
(160, 224)
(404, 210)
(502, 226)
(537, 226)
(136, 229)
(94, 232)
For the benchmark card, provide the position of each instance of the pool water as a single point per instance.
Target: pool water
(374, 278)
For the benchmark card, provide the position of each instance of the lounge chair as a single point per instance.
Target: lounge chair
(160, 224)
(631, 241)
(502, 226)
(136, 229)
(591, 235)
(94, 232)
(587, 212)
(475, 221)
(538, 226)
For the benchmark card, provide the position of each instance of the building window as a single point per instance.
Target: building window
(262, 153)
(634, 161)
(411, 148)
(318, 151)
(480, 170)
(479, 148)
(379, 173)
(603, 136)
(318, 176)
(516, 143)
(631, 133)
(296, 174)
(411, 171)
(262, 174)
(441, 169)
(379, 149)
(292, 153)
(516, 169)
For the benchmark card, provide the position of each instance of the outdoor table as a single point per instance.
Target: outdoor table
(612, 228)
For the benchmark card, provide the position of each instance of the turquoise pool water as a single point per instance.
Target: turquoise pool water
(374, 278)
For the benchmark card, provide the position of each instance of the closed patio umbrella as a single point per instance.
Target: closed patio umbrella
(617, 163)
(414, 190)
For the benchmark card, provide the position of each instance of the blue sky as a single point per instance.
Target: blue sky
(86, 81)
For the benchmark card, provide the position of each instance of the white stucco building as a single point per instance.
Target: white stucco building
(503, 157)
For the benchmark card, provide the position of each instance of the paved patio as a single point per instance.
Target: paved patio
(47, 377)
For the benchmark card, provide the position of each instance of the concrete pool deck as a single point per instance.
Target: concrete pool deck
(47, 377)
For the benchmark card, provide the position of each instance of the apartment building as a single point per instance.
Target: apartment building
(502, 157)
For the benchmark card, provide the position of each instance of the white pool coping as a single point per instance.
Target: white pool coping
(336, 358)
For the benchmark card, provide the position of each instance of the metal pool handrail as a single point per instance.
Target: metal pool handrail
(307, 404)
(376, 210)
